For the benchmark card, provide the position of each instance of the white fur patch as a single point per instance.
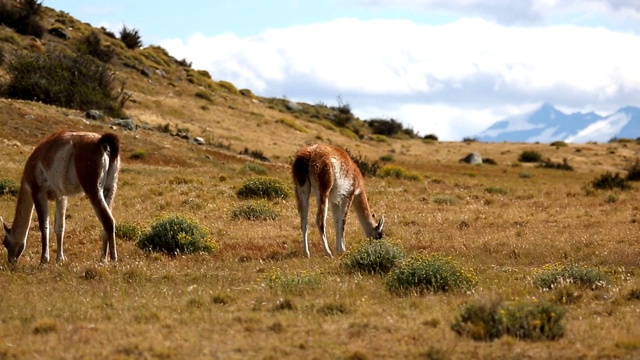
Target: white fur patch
(343, 184)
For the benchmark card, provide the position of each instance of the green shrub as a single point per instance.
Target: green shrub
(446, 200)
(633, 171)
(548, 164)
(373, 257)
(229, 87)
(533, 321)
(551, 276)
(23, 17)
(609, 181)
(495, 190)
(480, 320)
(129, 232)
(205, 95)
(91, 45)
(260, 211)
(264, 187)
(398, 172)
(530, 156)
(176, 235)
(558, 144)
(138, 155)
(387, 158)
(255, 154)
(130, 38)
(366, 168)
(9, 187)
(71, 81)
(428, 273)
(255, 168)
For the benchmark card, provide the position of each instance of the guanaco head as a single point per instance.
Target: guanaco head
(377, 231)
(14, 249)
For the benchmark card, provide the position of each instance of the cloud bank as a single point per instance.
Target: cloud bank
(453, 80)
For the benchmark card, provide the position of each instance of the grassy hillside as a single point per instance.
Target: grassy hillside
(256, 296)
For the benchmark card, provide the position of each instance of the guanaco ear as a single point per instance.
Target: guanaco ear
(380, 224)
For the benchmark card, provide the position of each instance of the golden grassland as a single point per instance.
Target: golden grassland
(257, 297)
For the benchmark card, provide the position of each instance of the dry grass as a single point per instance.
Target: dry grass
(225, 305)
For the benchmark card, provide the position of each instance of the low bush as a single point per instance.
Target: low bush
(264, 187)
(92, 45)
(548, 164)
(176, 234)
(254, 168)
(633, 171)
(609, 181)
(530, 156)
(129, 232)
(9, 187)
(297, 283)
(398, 172)
(429, 273)
(532, 321)
(373, 257)
(255, 154)
(366, 167)
(259, 211)
(551, 276)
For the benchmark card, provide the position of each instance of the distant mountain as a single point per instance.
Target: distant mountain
(548, 124)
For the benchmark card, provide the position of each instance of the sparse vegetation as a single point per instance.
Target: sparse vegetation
(92, 45)
(548, 164)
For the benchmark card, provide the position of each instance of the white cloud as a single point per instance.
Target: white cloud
(467, 73)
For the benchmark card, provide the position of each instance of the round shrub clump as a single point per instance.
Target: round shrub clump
(429, 273)
(176, 235)
(264, 187)
(373, 257)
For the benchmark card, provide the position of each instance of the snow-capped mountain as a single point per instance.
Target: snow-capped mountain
(547, 124)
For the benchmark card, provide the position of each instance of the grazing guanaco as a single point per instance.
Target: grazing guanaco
(65, 164)
(335, 180)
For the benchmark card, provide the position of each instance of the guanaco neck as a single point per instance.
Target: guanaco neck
(361, 205)
(22, 218)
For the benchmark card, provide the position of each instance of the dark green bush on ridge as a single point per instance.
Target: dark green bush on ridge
(609, 181)
(76, 82)
(23, 17)
(130, 38)
(92, 45)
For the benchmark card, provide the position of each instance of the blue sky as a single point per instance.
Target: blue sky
(447, 67)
